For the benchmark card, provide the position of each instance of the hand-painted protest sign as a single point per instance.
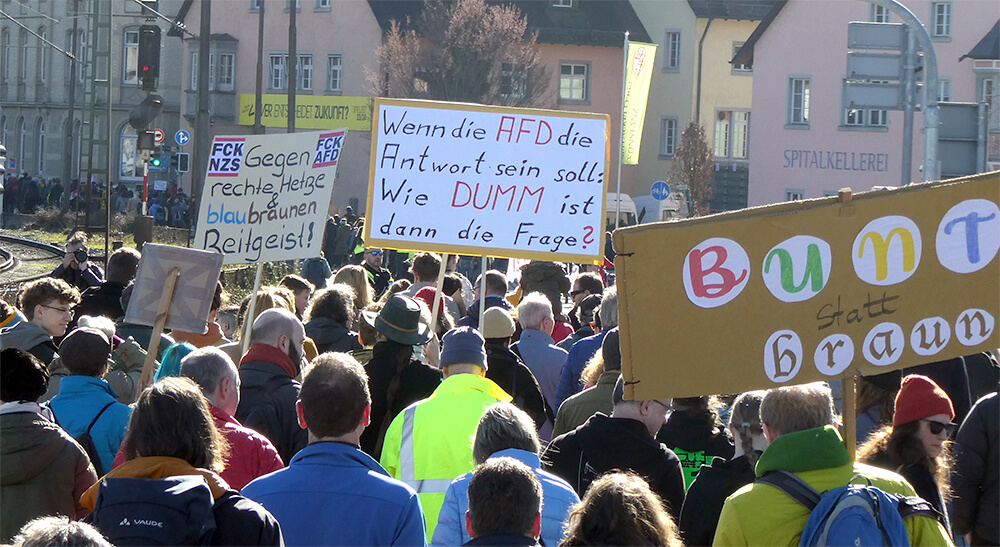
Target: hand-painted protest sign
(192, 298)
(473, 179)
(311, 111)
(810, 290)
(266, 197)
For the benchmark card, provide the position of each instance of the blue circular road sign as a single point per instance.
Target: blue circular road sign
(660, 190)
(182, 137)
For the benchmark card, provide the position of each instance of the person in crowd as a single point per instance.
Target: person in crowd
(506, 368)
(213, 336)
(268, 389)
(951, 375)
(316, 270)
(9, 315)
(396, 379)
(585, 285)
(505, 504)
(799, 426)
(621, 509)
(85, 402)
(622, 441)
(538, 350)
(59, 531)
(581, 352)
(378, 277)
(717, 481)
(105, 299)
(436, 447)
(172, 433)
(550, 279)
(875, 402)
(445, 322)
(576, 410)
(43, 471)
(976, 478)
(330, 233)
(496, 289)
(76, 269)
(451, 270)
(505, 431)
(332, 481)
(916, 444)
(140, 333)
(425, 270)
(170, 365)
(330, 319)
(47, 305)
(302, 289)
(583, 315)
(451, 285)
(356, 278)
(398, 286)
(695, 433)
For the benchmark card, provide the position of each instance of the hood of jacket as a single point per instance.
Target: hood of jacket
(624, 443)
(24, 335)
(817, 448)
(156, 467)
(325, 331)
(492, 300)
(30, 445)
(693, 431)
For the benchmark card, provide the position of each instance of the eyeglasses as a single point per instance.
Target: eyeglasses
(375, 253)
(937, 427)
(574, 293)
(67, 311)
(669, 408)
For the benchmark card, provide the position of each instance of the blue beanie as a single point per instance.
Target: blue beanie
(463, 345)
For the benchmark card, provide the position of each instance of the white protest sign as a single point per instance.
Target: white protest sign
(477, 180)
(266, 197)
(159, 184)
(192, 297)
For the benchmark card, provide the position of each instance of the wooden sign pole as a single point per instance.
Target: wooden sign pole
(248, 320)
(161, 318)
(437, 301)
(850, 398)
(482, 294)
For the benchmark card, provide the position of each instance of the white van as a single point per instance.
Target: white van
(625, 207)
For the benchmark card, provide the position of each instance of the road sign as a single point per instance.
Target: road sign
(660, 190)
(874, 66)
(11, 164)
(876, 36)
(182, 137)
(870, 95)
(158, 135)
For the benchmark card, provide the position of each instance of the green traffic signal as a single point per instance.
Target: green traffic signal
(156, 160)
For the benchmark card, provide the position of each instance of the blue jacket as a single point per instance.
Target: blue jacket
(79, 400)
(332, 493)
(579, 354)
(557, 500)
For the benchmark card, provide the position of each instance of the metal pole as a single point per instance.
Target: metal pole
(203, 120)
(258, 105)
(909, 87)
(293, 65)
(621, 133)
(111, 154)
(68, 147)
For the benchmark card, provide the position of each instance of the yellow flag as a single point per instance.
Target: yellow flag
(637, 77)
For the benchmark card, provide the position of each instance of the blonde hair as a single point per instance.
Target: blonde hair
(796, 408)
(355, 277)
(593, 370)
(267, 297)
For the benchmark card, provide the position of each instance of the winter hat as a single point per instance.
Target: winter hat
(399, 321)
(85, 351)
(463, 345)
(427, 295)
(24, 376)
(611, 351)
(497, 323)
(919, 397)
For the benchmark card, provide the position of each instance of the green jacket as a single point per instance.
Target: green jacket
(760, 514)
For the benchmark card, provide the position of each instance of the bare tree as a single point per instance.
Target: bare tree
(694, 166)
(464, 51)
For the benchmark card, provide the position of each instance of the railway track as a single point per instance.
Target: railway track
(23, 260)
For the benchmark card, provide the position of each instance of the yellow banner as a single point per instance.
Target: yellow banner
(639, 72)
(810, 290)
(311, 111)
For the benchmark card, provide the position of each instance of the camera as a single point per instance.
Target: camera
(81, 255)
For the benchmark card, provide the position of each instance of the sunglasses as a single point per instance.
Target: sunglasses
(375, 253)
(574, 293)
(937, 427)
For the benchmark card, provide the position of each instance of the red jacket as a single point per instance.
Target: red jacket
(251, 455)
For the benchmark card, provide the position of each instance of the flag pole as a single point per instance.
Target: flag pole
(621, 133)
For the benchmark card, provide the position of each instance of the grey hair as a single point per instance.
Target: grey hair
(99, 322)
(533, 309)
(504, 426)
(59, 531)
(272, 324)
(608, 312)
(207, 367)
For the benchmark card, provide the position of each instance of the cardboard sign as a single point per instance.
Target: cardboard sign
(809, 290)
(311, 111)
(481, 180)
(266, 197)
(192, 298)
(159, 184)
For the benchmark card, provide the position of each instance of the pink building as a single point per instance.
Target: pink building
(806, 144)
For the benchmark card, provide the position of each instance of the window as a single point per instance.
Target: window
(941, 14)
(563, 3)
(43, 56)
(798, 101)
(668, 137)
(81, 55)
(211, 71)
(944, 90)
(4, 55)
(255, 5)
(513, 81)
(573, 81)
(880, 14)
(732, 130)
(227, 65)
(298, 4)
(22, 137)
(194, 71)
(22, 73)
(987, 93)
(740, 68)
(672, 50)
(323, 4)
(304, 72)
(866, 118)
(334, 71)
(127, 161)
(277, 74)
(795, 195)
(130, 64)
(40, 145)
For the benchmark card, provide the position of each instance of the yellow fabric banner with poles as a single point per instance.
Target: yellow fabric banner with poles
(638, 73)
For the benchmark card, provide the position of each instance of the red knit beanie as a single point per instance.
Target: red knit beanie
(919, 397)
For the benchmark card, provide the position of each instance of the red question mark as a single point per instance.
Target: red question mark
(588, 236)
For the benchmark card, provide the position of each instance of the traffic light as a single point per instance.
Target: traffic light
(157, 161)
(149, 56)
(180, 161)
(141, 116)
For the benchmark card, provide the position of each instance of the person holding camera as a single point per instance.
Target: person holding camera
(76, 268)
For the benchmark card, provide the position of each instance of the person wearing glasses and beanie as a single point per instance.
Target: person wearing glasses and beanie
(378, 277)
(916, 445)
(48, 306)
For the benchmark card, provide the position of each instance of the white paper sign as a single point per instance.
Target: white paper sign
(159, 185)
(477, 180)
(266, 197)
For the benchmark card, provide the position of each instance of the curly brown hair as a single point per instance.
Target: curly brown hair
(902, 446)
(620, 509)
(44, 291)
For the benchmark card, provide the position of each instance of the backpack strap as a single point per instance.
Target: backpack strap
(796, 488)
(915, 505)
(98, 417)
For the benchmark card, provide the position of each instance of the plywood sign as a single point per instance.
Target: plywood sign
(471, 179)
(807, 291)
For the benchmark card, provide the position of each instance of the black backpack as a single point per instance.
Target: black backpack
(170, 511)
(87, 442)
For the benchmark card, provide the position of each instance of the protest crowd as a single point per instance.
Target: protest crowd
(341, 412)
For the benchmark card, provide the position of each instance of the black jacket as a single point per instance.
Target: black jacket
(330, 335)
(976, 477)
(602, 444)
(105, 299)
(416, 381)
(514, 377)
(707, 494)
(240, 521)
(83, 280)
(696, 439)
(267, 405)
(379, 279)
